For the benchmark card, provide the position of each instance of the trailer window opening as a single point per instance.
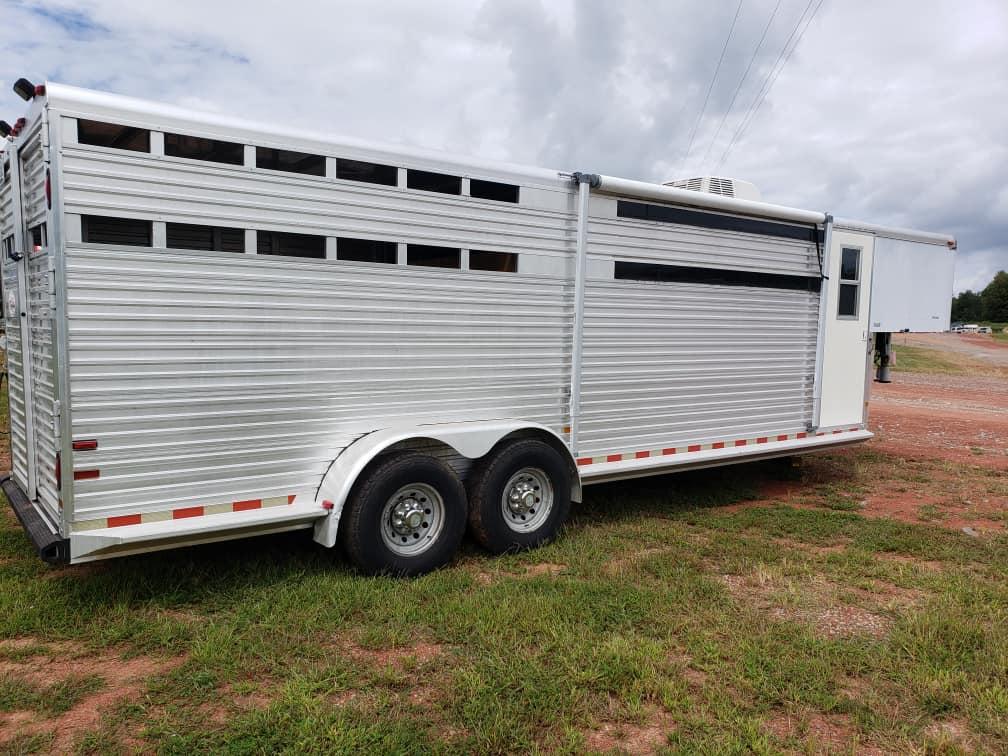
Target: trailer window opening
(428, 181)
(201, 148)
(715, 221)
(130, 232)
(290, 161)
(433, 257)
(290, 245)
(493, 190)
(369, 173)
(850, 283)
(38, 235)
(366, 250)
(206, 238)
(658, 272)
(101, 134)
(501, 262)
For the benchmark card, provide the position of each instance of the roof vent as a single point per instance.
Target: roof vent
(726, 187)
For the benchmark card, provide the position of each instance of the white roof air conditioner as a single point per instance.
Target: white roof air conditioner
(726, 187)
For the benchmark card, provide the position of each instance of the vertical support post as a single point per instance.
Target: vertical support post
(824, 301)
(580, 271)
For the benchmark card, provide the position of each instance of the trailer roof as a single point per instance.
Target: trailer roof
(159, 116)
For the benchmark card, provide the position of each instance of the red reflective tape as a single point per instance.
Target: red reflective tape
(717, 445)
(89, 445)
(243, 506)
(614, 458)
(181, 514)
(741, 442)
(86, 474)
(803, 434)
(694, 447)
(290, 498)
(643, 455)
(584, 461)
(762, 440)
(854, 429)
(118, 522)
(668, 451)
(782, 437)
(838, 431)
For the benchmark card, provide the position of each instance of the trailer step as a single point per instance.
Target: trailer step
(192, 530)
(51, 547)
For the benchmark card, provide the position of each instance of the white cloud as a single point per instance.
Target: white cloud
(892, 112)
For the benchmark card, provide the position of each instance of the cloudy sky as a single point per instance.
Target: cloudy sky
(894, 112)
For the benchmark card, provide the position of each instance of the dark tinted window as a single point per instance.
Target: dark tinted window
(433, 257)
(505, 262)
(290, 245)
(371, 173)
(113, 135)
(292, 162)
(702, 219)
(847, 307)
(209, 238)
(366, 250)
(689, 274)
(199, 148)
(493, 190)
(849, 264)
(97, 229)
(433, 182)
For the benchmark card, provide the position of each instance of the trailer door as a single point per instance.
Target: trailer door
(28, 312)
(845, 347)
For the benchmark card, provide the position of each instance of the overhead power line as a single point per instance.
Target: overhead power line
(710, 88)
(771, 78)
(735, 94)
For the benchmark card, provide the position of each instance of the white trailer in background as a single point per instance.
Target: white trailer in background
(219, 329)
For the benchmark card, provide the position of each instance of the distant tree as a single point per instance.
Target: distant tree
(995, 298)
(967, 307)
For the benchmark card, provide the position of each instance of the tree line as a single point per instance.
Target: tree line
(991, 304)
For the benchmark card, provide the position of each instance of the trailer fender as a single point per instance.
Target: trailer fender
(471, 440)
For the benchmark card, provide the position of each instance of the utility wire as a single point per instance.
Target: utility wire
(771, 78)
(710, 88)
(735, 94)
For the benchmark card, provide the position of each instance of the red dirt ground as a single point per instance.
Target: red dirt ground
(944, 437)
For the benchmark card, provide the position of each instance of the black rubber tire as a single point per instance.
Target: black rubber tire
(486, 487)
(360, 524)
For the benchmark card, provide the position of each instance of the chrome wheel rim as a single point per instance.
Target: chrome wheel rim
(412, 519)
(527, 499)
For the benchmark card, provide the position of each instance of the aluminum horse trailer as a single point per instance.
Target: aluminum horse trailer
(218, 329)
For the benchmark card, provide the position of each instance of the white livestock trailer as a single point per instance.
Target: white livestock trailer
(217, 329)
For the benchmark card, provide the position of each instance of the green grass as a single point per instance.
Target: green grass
(910, 359)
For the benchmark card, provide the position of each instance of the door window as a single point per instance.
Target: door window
(850, 283)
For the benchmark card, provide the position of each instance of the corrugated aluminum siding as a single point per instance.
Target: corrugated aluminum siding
(100, 182)
(40, 322)
(15, 377)
(33, 201)
(671, 364)
(209, 377)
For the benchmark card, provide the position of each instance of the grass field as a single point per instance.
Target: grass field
(668, 616)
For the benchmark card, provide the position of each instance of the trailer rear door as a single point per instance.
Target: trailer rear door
(28, 311)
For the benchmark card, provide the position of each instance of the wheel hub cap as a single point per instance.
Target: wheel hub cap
(407, 516)
(521, 497)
